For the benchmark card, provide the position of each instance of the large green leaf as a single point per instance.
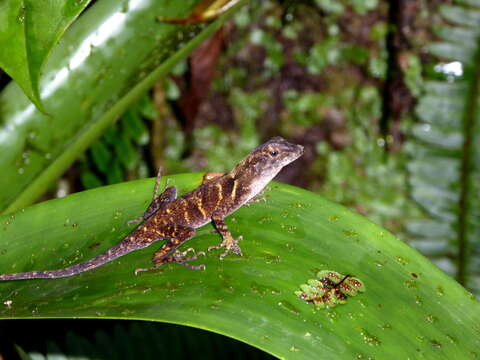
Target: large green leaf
(28, 31)
(106, 60)
(445, 170)
(410, 309)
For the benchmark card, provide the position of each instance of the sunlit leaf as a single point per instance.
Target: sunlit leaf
(29, 29)
(409, 309)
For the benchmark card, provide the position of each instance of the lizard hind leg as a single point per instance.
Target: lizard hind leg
(162, 256)
(181, 257)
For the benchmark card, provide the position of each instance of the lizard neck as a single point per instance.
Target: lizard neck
(251, 179)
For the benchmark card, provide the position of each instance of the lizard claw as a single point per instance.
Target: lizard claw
(144, 269)
(230, 247)
(256, 200)
(178, 257)
(181, 258)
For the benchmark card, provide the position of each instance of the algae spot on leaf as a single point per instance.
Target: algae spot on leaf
(330, 289)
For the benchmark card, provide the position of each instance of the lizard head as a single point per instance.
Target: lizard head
(268, 159)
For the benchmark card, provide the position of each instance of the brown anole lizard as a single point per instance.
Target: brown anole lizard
(175, 219)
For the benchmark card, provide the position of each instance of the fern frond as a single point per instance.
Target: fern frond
(445, 169)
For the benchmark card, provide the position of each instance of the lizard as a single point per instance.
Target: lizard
(175, 219)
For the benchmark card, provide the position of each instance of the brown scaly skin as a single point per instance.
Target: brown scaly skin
(175, 219)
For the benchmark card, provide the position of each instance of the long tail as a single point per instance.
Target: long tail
(122, 248)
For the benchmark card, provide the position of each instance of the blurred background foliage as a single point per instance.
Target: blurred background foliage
(382, 94)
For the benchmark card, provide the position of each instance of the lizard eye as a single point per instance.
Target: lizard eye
(274, 153)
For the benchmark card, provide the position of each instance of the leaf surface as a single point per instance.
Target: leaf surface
(410, 308)
(29, 29)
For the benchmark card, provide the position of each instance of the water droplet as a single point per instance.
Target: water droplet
(284, 304)
(269, 259)
(293, 348)
(440, 291)
(332, 315)
(214, 307)
(99, 301)
(21, 171)
(350, 232)
(435, 344)
(265, 219)
(410, 284)
(362, 304)
(420, 338)
(402, 260)
(452, 339)
(369, 338)
(298, 205)
(431, 318)
(21, 15)
(289, 228)
(263, 289)
(333, 218)
(385, 326)
(265, 338)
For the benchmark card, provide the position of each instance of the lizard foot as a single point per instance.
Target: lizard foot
(259, 197)
(256, 200)
(230, 245)
(178, 257)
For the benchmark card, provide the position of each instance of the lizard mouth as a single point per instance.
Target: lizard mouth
(297, 151)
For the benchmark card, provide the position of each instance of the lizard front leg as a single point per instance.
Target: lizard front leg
(176, 236)
(229, 243)
(258, 198)
(210, 176)
(168, 195)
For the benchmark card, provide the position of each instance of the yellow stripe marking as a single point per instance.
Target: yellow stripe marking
(199, 205)
(218, 186)
(233, 195)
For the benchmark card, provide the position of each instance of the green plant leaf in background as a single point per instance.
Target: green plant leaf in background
(444, 170)
(105, 62)
(410, 308)
(29, 29)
